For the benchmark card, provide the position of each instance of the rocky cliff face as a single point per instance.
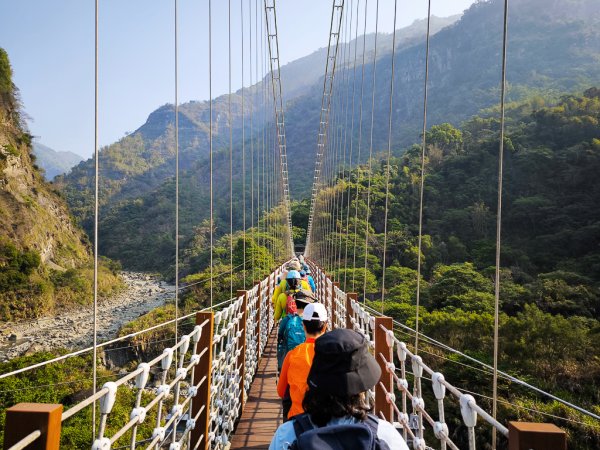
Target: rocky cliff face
(32, 216)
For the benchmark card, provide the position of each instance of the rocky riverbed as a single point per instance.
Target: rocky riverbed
(74, 329)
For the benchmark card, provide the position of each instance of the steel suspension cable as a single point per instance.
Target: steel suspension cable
(339, 147)
(210, 140)
(422, 180)
(351, 151)
(259, 135)
(334, 35)
(360, 128)
(96, 175)
(243, 145)
(336, 157)
(268, 137)
(345, 168)
(265, 152)
(499, 221)
(230, 151)
(176, 74)
(421, 195)
(265, 190)
(334, 161)
(329, 176)
(370, 170)
(252, 100)
(389, 156)
(277, 89)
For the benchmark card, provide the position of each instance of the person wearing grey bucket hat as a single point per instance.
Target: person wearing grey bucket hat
(335, 402)
(343, 364)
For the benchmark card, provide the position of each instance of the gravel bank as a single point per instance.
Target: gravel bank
(74, 329)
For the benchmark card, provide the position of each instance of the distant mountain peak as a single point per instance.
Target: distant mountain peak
(54, 162)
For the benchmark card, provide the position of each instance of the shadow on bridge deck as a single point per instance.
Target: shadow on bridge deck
(262, 412)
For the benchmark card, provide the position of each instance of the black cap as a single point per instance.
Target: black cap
(342, 364)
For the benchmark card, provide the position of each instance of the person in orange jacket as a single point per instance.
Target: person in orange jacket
(296, 365)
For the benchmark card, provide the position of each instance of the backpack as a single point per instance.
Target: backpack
(290, 306)
(359, 436)
(290, 335)
(293, 334)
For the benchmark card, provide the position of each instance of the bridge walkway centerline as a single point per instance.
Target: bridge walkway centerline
(262, 412)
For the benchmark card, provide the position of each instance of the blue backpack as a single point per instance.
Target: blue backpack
(290, 335)
(359, 436)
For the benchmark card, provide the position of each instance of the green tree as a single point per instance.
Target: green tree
(446, 137)
(453, 284)
(6, 86)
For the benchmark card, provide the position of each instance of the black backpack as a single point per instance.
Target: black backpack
(359, 436)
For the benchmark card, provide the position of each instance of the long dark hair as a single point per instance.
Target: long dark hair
(323, 406)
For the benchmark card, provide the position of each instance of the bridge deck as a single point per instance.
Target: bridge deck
(262, 412)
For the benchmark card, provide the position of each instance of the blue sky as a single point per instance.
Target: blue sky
(51, 48)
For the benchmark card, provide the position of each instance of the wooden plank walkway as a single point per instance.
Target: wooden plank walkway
(262, 412)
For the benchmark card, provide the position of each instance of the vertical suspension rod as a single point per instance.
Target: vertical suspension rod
(332, 50)
(273, 44)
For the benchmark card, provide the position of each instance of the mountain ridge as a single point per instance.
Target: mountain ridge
(54, 162)
(464, 79)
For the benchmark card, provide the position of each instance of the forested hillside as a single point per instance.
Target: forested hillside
(550, 258)
(553, 48)
(550, 53)
(137, 173)
(44, 256)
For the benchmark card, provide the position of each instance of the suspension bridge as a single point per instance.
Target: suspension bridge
(215, 387)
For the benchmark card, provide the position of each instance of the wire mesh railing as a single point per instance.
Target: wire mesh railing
(201, 382)
(399, 398)
(192, 393)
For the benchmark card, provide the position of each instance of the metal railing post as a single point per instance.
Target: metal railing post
(204, 369)
(529, 435)
(351, 296)
(382, 347)
(25, 418)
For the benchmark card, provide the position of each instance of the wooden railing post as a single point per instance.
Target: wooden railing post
(335, 285)
(204, 369)
(381, 347)
(241, 360)
(535, 436)
(350, 296)
(25, 418)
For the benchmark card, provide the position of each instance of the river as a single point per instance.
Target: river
(73, 329)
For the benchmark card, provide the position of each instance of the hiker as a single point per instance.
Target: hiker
(336, 409)
(291, 331)
(296, 365)
(307, 276)
(293, 264)
(292, 283)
